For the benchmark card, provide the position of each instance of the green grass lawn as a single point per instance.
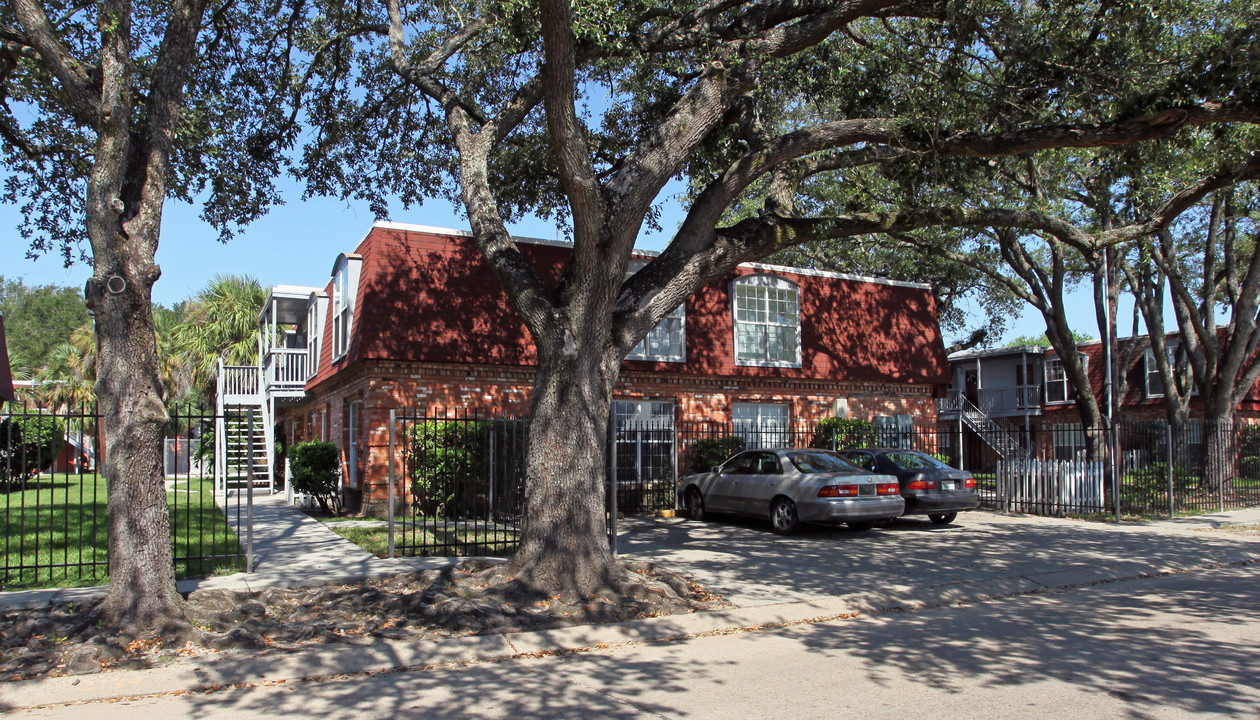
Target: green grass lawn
(430, 541)
(54, 532)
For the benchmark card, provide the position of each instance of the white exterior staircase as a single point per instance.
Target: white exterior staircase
(244, 429)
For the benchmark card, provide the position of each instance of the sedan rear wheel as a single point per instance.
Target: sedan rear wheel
(695, 504)
(942, 518)
(783, 517)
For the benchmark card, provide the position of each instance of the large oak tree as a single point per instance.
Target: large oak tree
(109, 109)
(586, 112)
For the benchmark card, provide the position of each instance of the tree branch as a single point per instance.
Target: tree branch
(81, 91)
(567, 134)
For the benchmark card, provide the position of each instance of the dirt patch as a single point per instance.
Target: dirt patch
(469, 598)
(1241, 529)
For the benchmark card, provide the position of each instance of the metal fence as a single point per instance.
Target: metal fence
(1137, 468)
(462, 479)
(457, 484)
(55, 500)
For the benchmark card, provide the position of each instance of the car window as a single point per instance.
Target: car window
(818, 462)
(911, 460)
(768, 464)
(864, 461)
(745, 464)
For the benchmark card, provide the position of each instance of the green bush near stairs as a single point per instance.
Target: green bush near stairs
(315, 469)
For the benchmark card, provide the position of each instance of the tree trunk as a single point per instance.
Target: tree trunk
(1218, 452)
(142, 596)
(564, 548)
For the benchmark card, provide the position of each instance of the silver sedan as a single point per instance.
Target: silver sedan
(791, 487)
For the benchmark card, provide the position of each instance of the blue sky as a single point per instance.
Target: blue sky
(297, 243)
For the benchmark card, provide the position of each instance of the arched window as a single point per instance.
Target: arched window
(767, 315)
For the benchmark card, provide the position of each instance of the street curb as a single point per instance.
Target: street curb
(228, 670)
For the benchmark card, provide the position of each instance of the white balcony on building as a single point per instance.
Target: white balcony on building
(1003, 382)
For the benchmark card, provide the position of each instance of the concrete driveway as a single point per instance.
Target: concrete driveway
(914, 561)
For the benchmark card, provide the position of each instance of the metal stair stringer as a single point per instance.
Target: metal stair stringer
(993, 434)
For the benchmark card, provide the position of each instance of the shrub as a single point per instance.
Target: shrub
(28, 446)
(1249, 466)
(446, 460)
(704, 454)
(844, 434)
(315, 469)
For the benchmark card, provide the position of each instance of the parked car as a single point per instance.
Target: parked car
(929, 486)
(791, 487)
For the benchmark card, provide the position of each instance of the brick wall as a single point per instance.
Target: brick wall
(413, 388)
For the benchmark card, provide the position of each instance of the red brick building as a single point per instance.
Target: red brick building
(1024, 392)
(413, 320)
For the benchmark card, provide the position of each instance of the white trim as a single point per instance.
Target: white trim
(766, 281)
(342, 310)
(1149, 366)
(775, 269)
(352, 443)
(681, 357)
(1067, 381)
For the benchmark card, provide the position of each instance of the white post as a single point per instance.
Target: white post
(220, 430)
(393, 418)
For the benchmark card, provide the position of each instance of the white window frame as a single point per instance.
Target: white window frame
(342, 309)
(768, 426)
(1064, 380)
(1152, 373)
(312, 338)
(1059, 378)
(670, 332)
(352, 443)
(643, 412)
(758, 294)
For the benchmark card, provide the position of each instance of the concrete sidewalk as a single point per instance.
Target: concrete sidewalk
(823, 573)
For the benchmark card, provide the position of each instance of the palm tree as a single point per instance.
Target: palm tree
(175, 374)
(67, 379)
(221, 322)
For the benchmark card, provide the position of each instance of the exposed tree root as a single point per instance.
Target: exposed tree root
(469, 598)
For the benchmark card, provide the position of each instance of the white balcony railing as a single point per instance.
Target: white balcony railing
(285, 369)
(998, 401)
(239, 380)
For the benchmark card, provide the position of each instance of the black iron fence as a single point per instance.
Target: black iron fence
(459, 484)
(462, 479)
(55, 499)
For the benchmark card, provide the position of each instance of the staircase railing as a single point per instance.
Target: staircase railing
(240, 403)
(996, 436)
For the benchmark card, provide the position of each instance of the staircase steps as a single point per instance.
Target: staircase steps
(996, 436)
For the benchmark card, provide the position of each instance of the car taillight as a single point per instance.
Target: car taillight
(969, 482)
(921, 485)
(838, 491)
(889, 488)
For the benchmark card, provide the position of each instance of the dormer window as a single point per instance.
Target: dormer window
(344, 286)
(667, 342)
(312, 336)
(767, 319)
(1154, 383)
